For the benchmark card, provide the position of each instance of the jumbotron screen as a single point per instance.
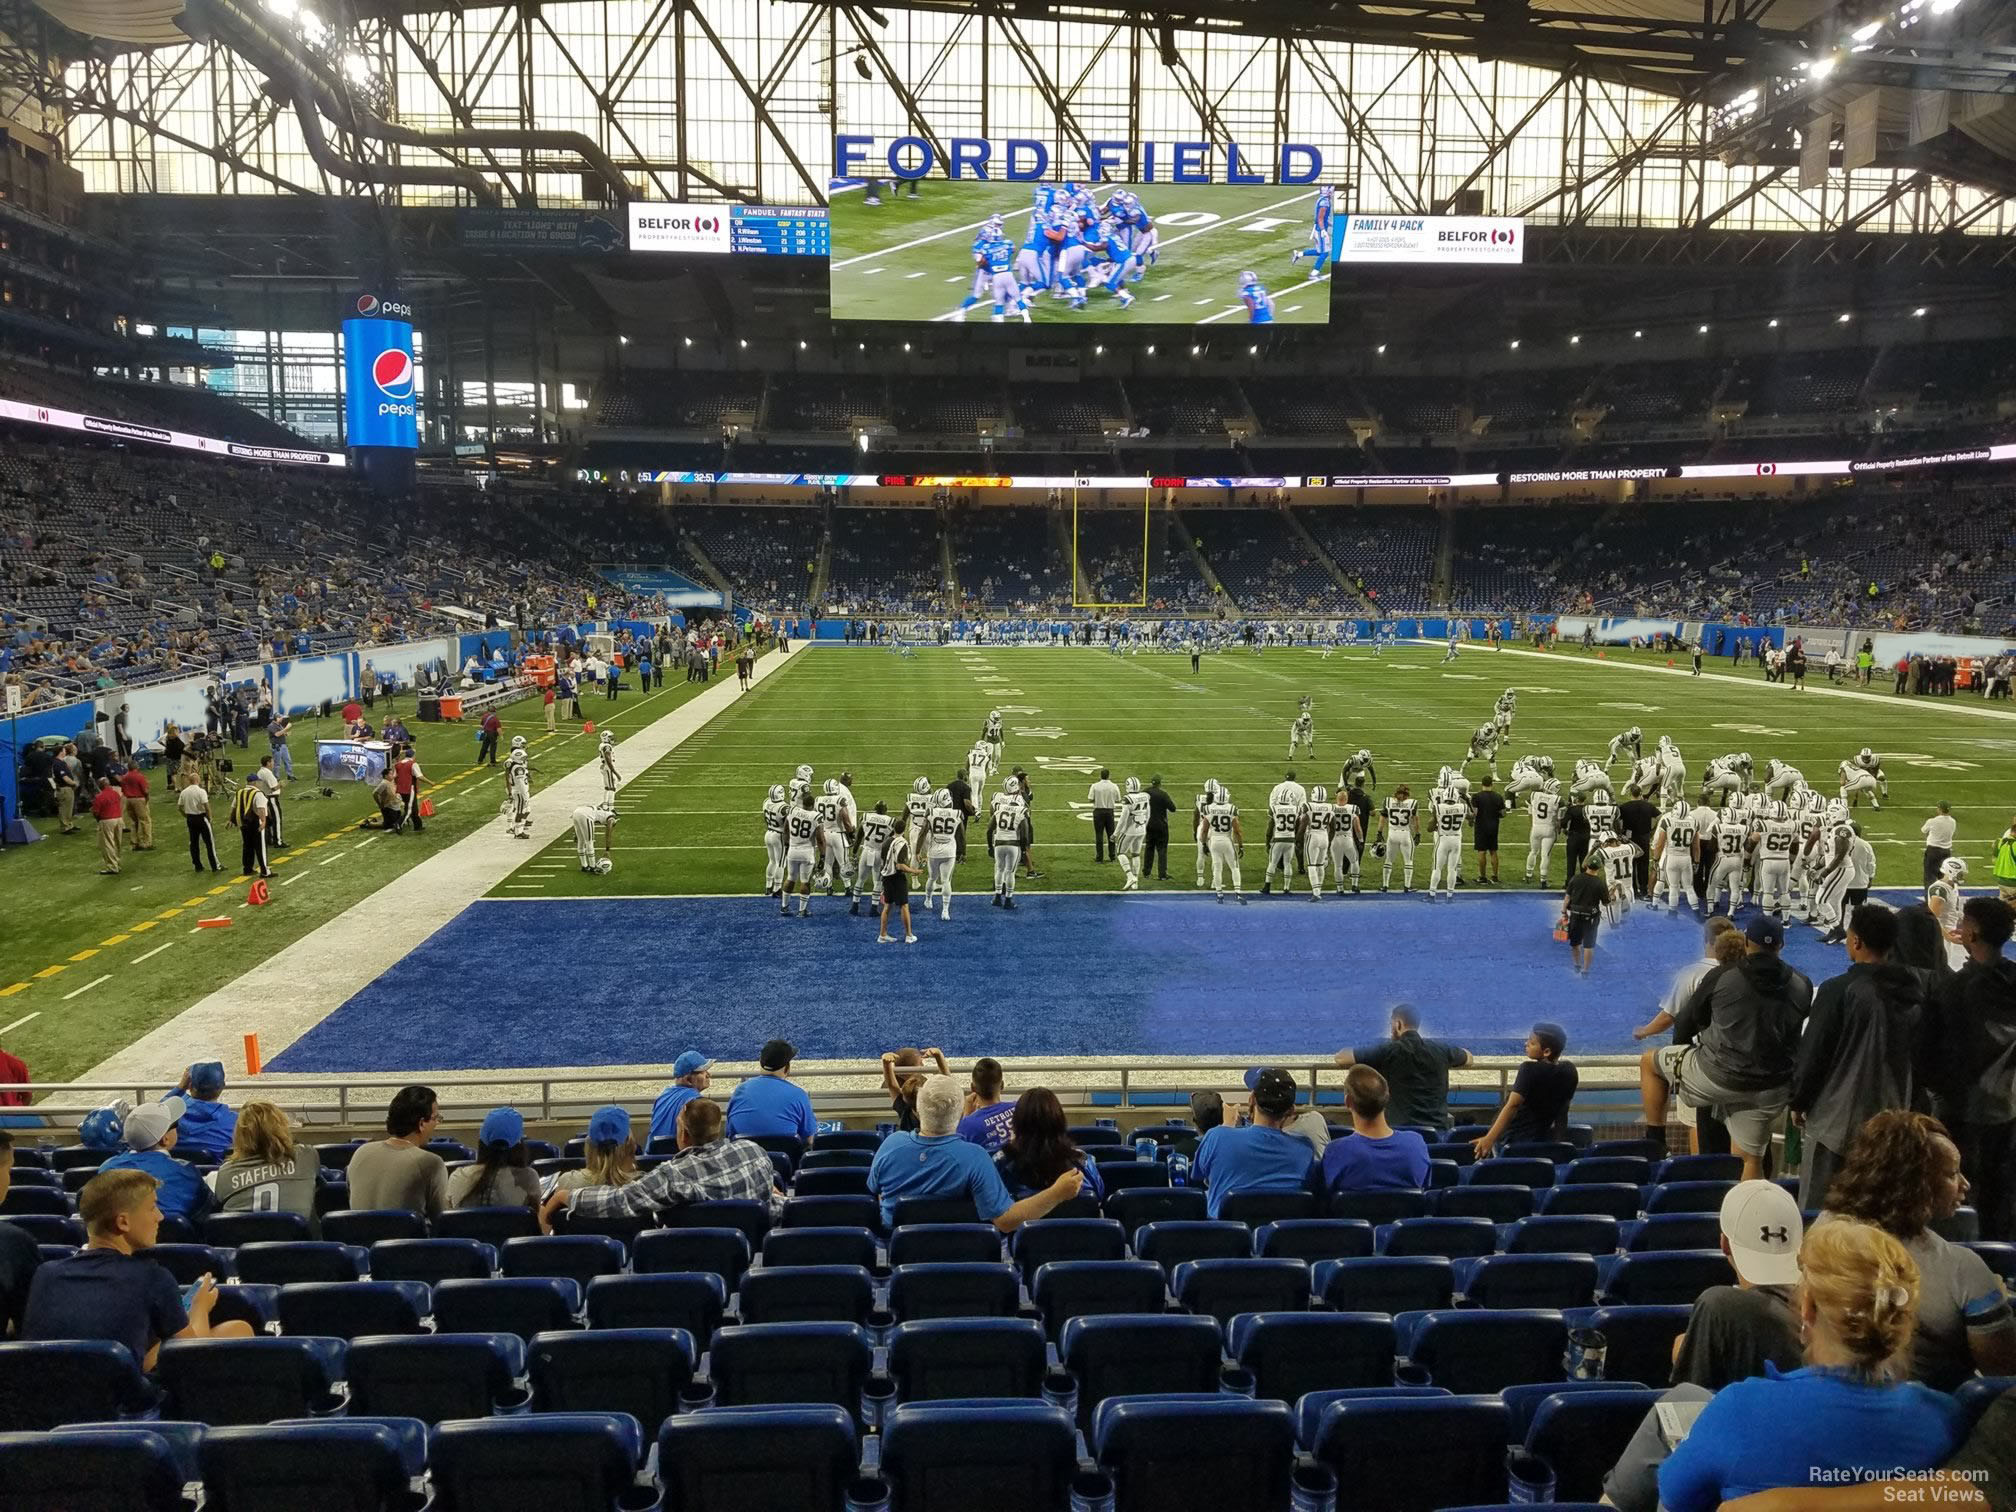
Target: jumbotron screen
(1050, 254)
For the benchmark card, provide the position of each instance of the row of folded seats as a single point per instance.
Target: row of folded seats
(1145, 1409)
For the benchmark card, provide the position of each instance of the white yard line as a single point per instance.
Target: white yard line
(159, 948)
(9, 1029)
(94, 982)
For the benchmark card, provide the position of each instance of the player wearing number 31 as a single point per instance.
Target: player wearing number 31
(265, 1171)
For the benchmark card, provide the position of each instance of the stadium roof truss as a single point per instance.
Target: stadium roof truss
(1598, 115)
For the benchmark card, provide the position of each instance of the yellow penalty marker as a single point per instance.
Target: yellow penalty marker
(49, 971)
(12, 988)
(84, 955)
(195, 902)
(118, 939)
(168, 913)
(219, 891)
(143, 926)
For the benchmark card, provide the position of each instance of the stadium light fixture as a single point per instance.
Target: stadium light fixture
(745, 341)
(1771, 324)
(284, 9)
(860, 346)
(861, 440)
(1098, 351)
(906, 346)
(1919, 313)
(1151, 348)
(1574, 341)
(1515, 343)
(1704, 329)
(356, 68)
(1637, 335)
(1942, 7)
(801, 346)
(623, 341)
(689, 341)
(1843, 318)
(1195, 350)
(1252, 351)
(1381, 349)
(1820, 69)
(1867, 30)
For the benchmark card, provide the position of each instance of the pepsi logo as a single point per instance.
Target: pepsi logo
(367, 304)
(392, 371)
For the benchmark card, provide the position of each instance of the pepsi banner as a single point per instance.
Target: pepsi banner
(380, 403)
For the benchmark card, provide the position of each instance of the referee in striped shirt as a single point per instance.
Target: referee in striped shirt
(249, 811)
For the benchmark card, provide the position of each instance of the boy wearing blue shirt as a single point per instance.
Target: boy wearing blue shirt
(207, 1126)
(992, 1120)
(936, 1162)
(1376, 1157)
(772, 1103)
(150, 1135)
(1262, 1157)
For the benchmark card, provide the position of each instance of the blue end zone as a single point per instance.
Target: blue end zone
(636, 980)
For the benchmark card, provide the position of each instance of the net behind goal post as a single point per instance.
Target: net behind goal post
(1078, 553)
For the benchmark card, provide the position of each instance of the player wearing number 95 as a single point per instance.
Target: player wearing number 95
(265, 1171)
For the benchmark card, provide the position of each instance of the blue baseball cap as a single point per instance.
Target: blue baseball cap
(608, 1125)
(206, 1079)
(502, 1126)
(688, 1063)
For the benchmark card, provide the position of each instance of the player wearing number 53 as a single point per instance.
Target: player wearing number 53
(265, 1172)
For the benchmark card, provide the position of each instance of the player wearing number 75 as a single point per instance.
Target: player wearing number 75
(266, 1172)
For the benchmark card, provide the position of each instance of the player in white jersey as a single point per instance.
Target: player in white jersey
(1780, 778)
(832, 870)
(1733, 844)
(1589, 777)
(1223, 837)
(611, 779)
(1287, 791)
(850, 811)
(1359, 765)
(1319, 819)
(916, 806)
(1484, 747)
(1810, 809)
(1544, 809)
(1858, 783)
(775, 807)
(1868, 761)
(1943, 898)
(1284, 839)
(1602, 815)
(1006, 833)
(1645, 777)
(1203, 801)
(1777, 846)
(1503, 710)
(1130, 833)
(800, 784)
(990, 735)
(1529, 775)
(585, 821)
(1302, 734)
(1446, 814)
(940, 838)
(1399, 832)
(518, 788)
(1620, 864)
(801, 852)
(1676, 846)
(1833, 870)
(979, 767)
(1728, 775)
(876, 828)
(1625, 741)
(1453, 780)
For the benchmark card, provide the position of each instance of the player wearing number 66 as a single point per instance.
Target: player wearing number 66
(265, 1171)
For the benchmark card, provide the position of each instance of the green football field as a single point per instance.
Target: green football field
(911, 259)
(691, 824)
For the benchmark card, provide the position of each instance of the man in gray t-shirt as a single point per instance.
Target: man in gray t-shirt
(400, 1171)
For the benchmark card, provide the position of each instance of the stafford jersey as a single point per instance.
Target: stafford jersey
(875, 831)
(1546, 810)
(1282, 824)
(774, 813)
(943, 827)
(802, 826)
(1399, 813)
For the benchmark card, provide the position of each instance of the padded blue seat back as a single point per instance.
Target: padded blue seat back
(1086, 1136)
(366, 1226)
(789, 1146)
(848, 1139)
(751, 1217)
(1379, 1206)
(228, 1382)
(1961, 1226)
(1127, 1175)
(1560, 1233)
(1726, 1168)
(832, 1181)
(1557, 1152)
(548, 1462)
(951, 1456)
(1639, 1340)
(578, 1257)
(751, 1459)
(1143, 1353)
(622, 1227)
(954, 1290)
(936, 1210)
(1049, 1239)
(931, 1243)
(1066, 1289)
(1293, 1353)
(826, 1159)
(1675, 1231)
(724, 1251)
(1687, 1197)
(807, 1294)
(1583, 1434)
(1461, 1151)
(640, 1371)
(1169, 1244)
(521, 1305)
(89, 1467)
(48, 1228)
(37, 1176)
(765, 1364)
(1390, 1284)
(185, 1262)
(1454, 1238)
(1608, 1199)
(1501, 1204)
(1256, 1208)
(432, 1260)
(1402, 1453)
(45, 1384)
(689, 1300)
(1530, 1280)
(490, 1225)
(1644, 1149)
(941, 1359)
(25, 1200)
(280, 1261)
(1225, 1288)
(1313, 1239)
(1666, 1275)
(434, 1377)
(1631, 1170)
(352, 1309)
(1167, 1453)
(1505, 1170)
(1468, 1352)
(820, 1246)
(1135, 1206)
(2000, 1257)
(831, 1212)
(229, 1230)
(348, 1464)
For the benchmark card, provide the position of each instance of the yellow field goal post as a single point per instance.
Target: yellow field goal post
(1094, 603)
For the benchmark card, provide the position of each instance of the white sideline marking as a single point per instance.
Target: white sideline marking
(159, 948)
(79, 992)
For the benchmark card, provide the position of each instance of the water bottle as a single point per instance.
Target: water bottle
(1060, 1389)
(1144, 1148)
(1313, 1488)
(1179, 1169)
(1587, 1352)
(1529, 1479)
(878, 1395)
(1092, 1491)
(1105, 1123)
(1238, 1381)
(696, 1397)
(1405, 1374)
(867, 1493)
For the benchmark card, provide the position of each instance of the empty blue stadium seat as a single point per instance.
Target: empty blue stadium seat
(1313, 1239)
(1170, 1243)
(549, 1462)
(1666, 1275)
(1642, 1149)
(640, 1371)
(1066, 1289)
(1503, 1170)
(1379, 1207)
(347, 1462)
(1630, 1170)
(48, 1383)
(848, 1139)
(1049, 1239)
(831, 1212)
(1225, 1288)
(751, 1217)
(690, 1300)
(1255, 1208)
(435, 1377)
(1089, 1136)
(1558, 1152)
(24, 1201)
(1583, 1434)
(806, 1294)
(432, 1260)
(758, 1457)
(1454, 1238)
(1961, 1226)
(940, 1359)
(1528, 1280)
(1725, 1168)
(1500, 1204)
(353, 1309)
(1399, 1453)
(1561, 1233)
(48, 1228)
(1130, 1355)
(951, 1456)
(1976, 1396)
(832, 1181)
(1124, 1174)
(820, 1246)
(230, 1382)
(1675, 1231)
(1170, 1453)
(1293, 1353)
(724, 1251)
(112, 1466)
(1390, 1284)
(789, 1146)
(366, 1226)
(1687, 1196)
(824, 1159)
(764, 1364)
(1137, 1206)
(278, 1262)
(935, 1243)
(578, 1257)
(1639, 1339)
(1461, 1151)
(229, 1230)
(521, 1305)
(1607, 1199)
(488, 1225)
(1467, 1352)
(935, 1210)
(954, 1290)
(186, 1262)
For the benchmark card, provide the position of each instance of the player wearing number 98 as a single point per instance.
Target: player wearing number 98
(265, 1171)
(801, 837)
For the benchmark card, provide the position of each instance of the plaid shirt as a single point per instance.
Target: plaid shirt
(720, 1170)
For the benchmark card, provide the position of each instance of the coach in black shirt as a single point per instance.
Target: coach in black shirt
(1575, 826)
(1155, 852)
(1416, 1071)
(1487, 807)
(962, 800)
(1639, 816)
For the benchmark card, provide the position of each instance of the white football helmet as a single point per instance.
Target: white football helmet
(1837, 811)
(1133, 785)
(832, 788)
(605, 866)
(804, 772)
(1865, 754)
(1778, 812)
(1743, 760)
(608, 738)
(993, 713)
(1953, 869)
(1636, 733)
(1011, 785)
(942, 798)
(517, 742)
(1319, 795)
(1211, 789)
(1680, 809)
(921, 785)
(1363, 754)
(1551, 785)
(1224, 794)
(776, 792)
(1442, 778)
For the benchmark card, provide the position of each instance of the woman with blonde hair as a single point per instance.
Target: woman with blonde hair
(610, 1160)
(265, 1172)
(1847, 1414)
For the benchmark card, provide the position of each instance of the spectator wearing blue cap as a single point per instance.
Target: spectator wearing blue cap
(689, 1080)
(207, 1126)
(1261, 1157)
(104, 1129)
(502, 1174)
(611, 1161)
(150, 1134)
(1541, 1093)
(1308, 1125)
